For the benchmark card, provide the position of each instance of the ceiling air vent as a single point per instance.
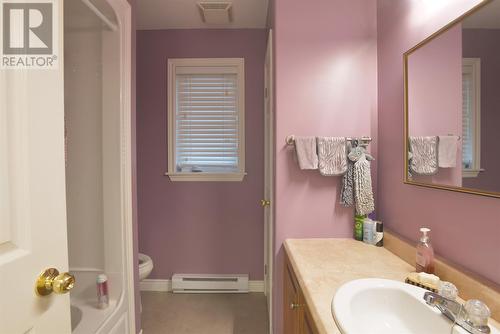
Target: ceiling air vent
(216, 12)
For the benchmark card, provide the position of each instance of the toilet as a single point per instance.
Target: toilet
(145, 266)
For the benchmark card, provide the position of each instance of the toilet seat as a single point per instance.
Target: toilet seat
(145, 266)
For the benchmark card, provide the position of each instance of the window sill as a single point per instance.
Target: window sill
(469, 173)
(207, 177)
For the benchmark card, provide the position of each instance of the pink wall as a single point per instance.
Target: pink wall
(465, 228)
(483, 43)
(198, 227)
(325, 77)
(435, 96)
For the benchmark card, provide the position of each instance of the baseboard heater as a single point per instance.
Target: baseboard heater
(200, 283)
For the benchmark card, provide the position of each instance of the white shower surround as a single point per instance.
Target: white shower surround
(117, 249)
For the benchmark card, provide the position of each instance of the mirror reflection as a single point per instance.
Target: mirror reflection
(453, 105)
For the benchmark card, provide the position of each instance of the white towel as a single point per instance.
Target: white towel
(332, 156)
(448, 146)
(306, 152)
(424, 159)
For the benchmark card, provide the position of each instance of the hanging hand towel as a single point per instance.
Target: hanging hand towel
(447, 151)
(424, 152)
(332, 156)
(363, 192)
(347, 191)
(306, 152)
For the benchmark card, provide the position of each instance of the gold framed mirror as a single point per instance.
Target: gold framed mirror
(451, 111)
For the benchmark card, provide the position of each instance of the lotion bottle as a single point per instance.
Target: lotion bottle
(358, 227)
(425, 253)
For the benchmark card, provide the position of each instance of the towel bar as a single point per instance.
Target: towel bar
(290, 140)
(458, 137)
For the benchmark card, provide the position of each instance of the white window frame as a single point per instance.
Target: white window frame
(203, 63)
(473, 66)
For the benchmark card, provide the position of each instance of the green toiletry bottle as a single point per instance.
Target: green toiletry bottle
(358, 227)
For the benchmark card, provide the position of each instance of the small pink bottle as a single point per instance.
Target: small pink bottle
(425, 253)
(102, 291)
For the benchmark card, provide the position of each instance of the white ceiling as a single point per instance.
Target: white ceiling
(184, 14)
(487, 17)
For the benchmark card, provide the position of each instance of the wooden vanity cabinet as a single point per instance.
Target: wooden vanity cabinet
(297, 318)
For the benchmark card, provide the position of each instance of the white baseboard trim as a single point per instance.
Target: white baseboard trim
(256, 286)
(162, 285)
(165, 285)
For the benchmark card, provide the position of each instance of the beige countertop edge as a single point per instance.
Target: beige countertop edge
(397, 269)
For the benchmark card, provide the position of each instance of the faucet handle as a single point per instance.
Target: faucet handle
(448, 290)
(477, 312)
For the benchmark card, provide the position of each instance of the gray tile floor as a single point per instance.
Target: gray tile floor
(168, 313)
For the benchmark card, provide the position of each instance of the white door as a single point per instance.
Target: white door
(267, 202)
(32, 193)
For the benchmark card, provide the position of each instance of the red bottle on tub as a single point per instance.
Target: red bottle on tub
(102, 291)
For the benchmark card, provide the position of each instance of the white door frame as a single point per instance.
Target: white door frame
(123, 13)
(269, 178)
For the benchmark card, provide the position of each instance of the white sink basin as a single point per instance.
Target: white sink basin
(375, 305)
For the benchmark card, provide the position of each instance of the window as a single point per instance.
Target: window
(471, 117)
(206, 115)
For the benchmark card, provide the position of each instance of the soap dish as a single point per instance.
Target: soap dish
(414, 279)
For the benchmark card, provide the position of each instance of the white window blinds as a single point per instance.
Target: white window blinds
(206, 114)
(471, 116)
(207, 122)
(467, 121)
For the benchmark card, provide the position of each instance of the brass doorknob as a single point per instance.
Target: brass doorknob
(50, 280)
(265, 202)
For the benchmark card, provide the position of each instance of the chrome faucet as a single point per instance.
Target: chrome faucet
(467, 319)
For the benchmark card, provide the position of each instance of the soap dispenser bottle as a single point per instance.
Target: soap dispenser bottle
(425, 253)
